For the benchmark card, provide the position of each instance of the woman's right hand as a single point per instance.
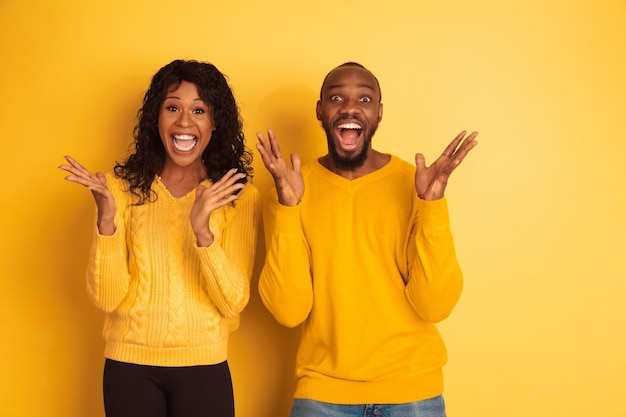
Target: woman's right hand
(95, 183)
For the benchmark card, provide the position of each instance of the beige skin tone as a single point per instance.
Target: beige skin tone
(351, 93)
(182, 114)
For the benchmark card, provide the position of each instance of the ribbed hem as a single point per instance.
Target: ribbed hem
(160, 356)
(397, 391)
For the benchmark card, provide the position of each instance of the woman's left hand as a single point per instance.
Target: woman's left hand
(210, 198)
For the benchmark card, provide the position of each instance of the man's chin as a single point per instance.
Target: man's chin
(348, 163)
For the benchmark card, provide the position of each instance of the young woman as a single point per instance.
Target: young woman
(174, 248)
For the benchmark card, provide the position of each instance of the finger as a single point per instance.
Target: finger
(101, 177)
(228, 184)
(234, 178)
(226, 200)
(226, 177)
(87, 182)
(449, 151)
(470, 139)
(76, 165)
(420, 161)
(80, 174)
(262, 139)
(212, 198)
(296, 162)
(265, 150)
(71, 169)
(265, 155)
(200, 189)
(468, 144)
(274, 144)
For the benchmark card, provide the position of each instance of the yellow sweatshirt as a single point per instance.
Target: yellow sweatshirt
(167, 301)
(366, 267)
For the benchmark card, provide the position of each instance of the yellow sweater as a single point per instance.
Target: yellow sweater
(167, 301)
(337, 264)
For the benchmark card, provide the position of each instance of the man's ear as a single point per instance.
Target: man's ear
(318, 110)
(380, 112)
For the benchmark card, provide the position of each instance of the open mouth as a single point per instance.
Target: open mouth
(349, 134)
(184, 143)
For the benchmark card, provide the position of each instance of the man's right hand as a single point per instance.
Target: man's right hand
(289, 182)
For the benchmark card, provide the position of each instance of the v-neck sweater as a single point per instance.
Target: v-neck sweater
(367, 269)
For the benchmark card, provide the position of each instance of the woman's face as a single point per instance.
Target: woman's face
(185, 125)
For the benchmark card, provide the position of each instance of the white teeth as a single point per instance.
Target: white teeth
(184, 143)
(350, 126)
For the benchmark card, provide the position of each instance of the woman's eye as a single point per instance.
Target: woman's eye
(198, 111)
(172, 108)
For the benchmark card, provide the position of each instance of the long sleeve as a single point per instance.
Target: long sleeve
(168, 301)
(435, 278)
(107, 272)
(227, 264)
(366, 267)
(285, 283)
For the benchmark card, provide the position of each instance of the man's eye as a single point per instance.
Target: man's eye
(366, 100)
(335, 98)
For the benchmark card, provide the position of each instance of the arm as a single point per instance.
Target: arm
(107, 271)
(435, 279)
(227, 264)
(285, 283)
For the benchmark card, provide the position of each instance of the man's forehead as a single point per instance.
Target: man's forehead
(350, 76)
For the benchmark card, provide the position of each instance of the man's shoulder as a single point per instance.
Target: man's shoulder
(400, 166)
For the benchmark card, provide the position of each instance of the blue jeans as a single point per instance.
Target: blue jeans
(433, 407)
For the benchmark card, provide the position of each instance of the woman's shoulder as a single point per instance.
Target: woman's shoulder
(119, 187)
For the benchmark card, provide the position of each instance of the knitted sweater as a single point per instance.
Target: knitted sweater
(169, 302)
(366, 267)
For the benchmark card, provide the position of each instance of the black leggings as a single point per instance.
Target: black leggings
(132, 390)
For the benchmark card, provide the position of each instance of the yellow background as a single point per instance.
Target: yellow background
(538, 209)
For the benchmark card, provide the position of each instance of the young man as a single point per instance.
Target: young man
(360, 253)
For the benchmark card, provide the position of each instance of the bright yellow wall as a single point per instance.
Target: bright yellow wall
(538, 210)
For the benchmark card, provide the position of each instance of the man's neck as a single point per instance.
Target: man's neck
(374, 161)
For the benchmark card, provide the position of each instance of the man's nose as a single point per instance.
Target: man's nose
(350, 107)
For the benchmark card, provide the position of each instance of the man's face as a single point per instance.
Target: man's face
(350, 111)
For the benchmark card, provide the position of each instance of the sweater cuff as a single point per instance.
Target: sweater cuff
(212, 254)
(287, 218)
(108, 243)
(433, 213)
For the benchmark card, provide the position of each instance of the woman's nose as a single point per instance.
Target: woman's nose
(184, 119)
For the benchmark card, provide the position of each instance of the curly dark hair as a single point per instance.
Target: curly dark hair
(225, 150)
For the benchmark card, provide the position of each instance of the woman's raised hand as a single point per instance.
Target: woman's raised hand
(210, 198)
(95, 183)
